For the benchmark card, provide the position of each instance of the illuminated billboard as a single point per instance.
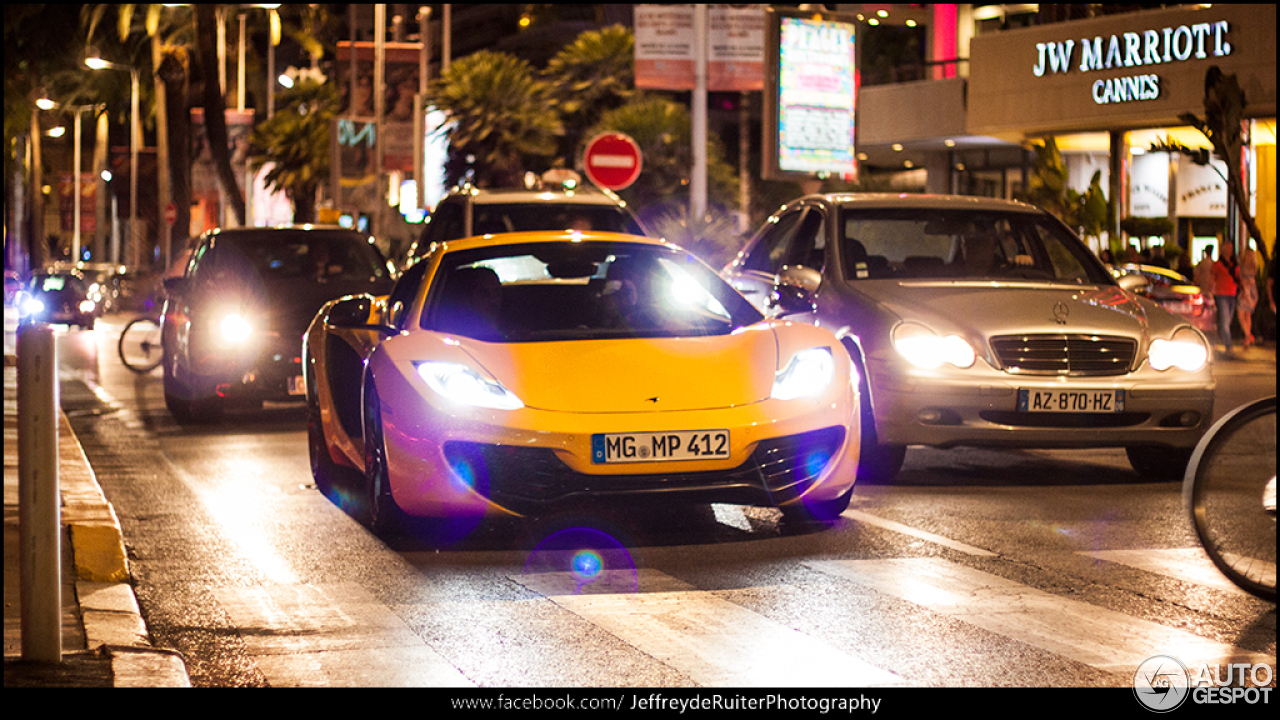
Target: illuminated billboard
(810, 95)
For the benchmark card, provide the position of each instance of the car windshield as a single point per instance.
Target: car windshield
(577, 291)
(301, 255)
(963, 245)
(505, 218)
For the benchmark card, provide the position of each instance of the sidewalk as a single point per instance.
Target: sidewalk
(104, 639)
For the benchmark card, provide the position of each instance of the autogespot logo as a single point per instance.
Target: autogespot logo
(1161, 683)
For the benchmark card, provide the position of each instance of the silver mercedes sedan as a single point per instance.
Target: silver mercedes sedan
(983, 322)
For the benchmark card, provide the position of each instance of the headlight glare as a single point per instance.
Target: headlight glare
(235, 329)
(464, 385)
(30, 305)
(927, 350)
(808, 373)
(1186, 350)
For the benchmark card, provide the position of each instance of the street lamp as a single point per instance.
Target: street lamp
(47, 104)
(135, 142)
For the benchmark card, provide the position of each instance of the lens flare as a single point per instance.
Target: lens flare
(586, 565)
(582, 559)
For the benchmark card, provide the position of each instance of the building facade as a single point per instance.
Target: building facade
(1106, 89)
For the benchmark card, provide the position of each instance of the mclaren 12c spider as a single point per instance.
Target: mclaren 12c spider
(510, 373)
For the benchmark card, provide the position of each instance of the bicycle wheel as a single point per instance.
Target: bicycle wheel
(140, 348)
(1230, 491)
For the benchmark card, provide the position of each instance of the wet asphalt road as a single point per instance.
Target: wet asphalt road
(975, 568)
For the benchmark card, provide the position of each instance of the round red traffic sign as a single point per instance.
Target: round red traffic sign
(612, 161)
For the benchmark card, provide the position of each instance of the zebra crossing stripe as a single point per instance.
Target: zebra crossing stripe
(334, 635)
(1102, 638)
(1189, 564)
(869, 519)
(710, 640)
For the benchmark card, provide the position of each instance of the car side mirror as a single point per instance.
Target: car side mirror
(791, 300)
(800, 276)
(1135, 283)
(354, 312)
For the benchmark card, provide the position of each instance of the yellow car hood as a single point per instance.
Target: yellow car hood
(635, 375)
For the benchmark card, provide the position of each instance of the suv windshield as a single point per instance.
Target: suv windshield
(573, 291)
(963, 245)
(336, 255)
(502, 218)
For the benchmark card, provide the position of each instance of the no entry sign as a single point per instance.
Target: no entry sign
(612, 161)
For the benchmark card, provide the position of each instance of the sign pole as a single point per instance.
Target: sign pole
(698, 182)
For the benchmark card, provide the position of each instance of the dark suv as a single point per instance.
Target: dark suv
(471, 211)
(233, 322)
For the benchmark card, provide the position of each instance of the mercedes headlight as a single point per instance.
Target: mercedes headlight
(928, 350)
(808, 373)
(465, 386)
(1186, 350)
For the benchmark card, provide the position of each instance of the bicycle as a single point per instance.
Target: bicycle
(139, 346)
(1230, 491)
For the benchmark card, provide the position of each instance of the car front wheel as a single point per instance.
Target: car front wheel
(876, 462)
(381, 514)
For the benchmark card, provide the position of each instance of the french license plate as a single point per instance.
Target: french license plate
(1077, 401)
(297, 386)
(659, 447)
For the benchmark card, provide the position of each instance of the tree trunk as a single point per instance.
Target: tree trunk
(215, 118)
(173, 73)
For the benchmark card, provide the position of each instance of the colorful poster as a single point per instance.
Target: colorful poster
(816, 96)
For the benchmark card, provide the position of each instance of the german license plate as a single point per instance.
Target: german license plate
(1073, 401)
(659, 447)
(297, 386)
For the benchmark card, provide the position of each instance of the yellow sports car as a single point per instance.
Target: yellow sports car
(509, 373)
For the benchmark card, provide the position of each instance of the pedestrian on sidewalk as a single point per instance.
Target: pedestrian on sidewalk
(1225, 287)
(1203, 274)
(1247, 297)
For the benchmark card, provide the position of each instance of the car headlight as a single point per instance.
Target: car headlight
(30, 305)
(928, 350)
(1186, 350)
(235, 329)
(808, 373)
(464, 385)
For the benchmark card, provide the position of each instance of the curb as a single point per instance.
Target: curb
(109, 611)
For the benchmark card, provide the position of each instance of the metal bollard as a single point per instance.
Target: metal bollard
(39, 503)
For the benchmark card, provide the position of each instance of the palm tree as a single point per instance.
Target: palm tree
(1224, 104)
(215, 118)
(594, 74)
(503, 121)
(295, 142)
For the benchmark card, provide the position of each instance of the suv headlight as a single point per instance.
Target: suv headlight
(928, 350)
(464, 385)
(808, 373)
(234, 329)
(1186, 350)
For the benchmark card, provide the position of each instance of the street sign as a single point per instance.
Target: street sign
(612, 161)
